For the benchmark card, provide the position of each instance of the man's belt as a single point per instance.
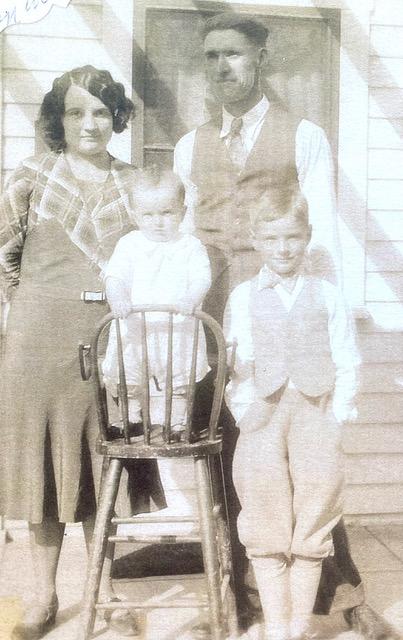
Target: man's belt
(93, 296)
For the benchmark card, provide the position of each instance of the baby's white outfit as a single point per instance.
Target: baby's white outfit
(158, 273)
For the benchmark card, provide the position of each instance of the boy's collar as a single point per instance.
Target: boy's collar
(268, 279)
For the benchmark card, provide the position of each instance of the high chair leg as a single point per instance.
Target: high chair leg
(106, 577)
(98, 548)
(224, 543)
(208, 533)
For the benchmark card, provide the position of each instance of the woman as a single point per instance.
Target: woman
(60, 217)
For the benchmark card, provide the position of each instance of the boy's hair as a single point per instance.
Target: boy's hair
(154, 178)
(254, 30)
(278, 202)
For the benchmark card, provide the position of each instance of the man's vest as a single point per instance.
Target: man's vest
(292, 345)
(225, 197)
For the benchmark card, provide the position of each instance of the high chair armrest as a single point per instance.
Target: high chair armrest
(231, 361)
(83, 356)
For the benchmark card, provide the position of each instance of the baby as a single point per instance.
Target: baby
(157, 264)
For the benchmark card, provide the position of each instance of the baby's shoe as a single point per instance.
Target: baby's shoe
(136, 431)
(176, 431)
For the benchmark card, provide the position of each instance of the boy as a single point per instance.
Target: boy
(157, 264)
(293, 386)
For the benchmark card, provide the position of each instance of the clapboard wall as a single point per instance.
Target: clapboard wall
(32, 55)
(375, 444)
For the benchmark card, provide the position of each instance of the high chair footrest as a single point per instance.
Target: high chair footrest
(179, 603)
(156, 520)
(140, 451)
(162, 539)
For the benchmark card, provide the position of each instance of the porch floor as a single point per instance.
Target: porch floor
(377, 551)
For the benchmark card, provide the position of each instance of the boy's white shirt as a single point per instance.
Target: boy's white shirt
(241, 391)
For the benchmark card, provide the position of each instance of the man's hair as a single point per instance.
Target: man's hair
(154, 178)
(278, 202)
(254, 30)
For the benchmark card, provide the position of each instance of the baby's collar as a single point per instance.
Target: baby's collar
(168, 249)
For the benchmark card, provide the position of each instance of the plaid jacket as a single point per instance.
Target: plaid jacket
(43, 187)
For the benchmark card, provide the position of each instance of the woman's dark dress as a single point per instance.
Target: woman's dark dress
(48, 464)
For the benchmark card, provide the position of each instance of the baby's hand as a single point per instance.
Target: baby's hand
(120, 308)
(185, 307)
(118, 298)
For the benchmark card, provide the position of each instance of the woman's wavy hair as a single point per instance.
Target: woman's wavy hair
(97, 82)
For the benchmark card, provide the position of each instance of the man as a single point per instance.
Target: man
(250, 144)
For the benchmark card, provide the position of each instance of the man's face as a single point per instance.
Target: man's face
(282, 244)
(231, 65)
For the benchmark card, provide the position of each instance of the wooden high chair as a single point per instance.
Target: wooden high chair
(159, 441)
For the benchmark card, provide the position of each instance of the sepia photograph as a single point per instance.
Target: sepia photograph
(201, 319)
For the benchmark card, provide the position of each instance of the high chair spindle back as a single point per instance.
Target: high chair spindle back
(160, 434)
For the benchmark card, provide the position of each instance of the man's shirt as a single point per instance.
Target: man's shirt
(314, 165)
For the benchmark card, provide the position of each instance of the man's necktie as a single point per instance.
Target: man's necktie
(236, 149)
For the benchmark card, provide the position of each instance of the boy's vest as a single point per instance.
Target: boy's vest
(225, 197)
(292, 345)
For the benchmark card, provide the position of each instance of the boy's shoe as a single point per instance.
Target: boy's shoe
(38, 620)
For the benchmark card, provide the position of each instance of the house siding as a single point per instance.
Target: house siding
(32, 56)
(374, 446)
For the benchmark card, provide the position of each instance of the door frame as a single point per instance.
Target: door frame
(139, 30)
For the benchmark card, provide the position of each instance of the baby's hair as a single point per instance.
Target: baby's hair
(277, 202)
(154, 178)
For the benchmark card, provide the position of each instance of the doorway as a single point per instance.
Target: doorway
(169, 84)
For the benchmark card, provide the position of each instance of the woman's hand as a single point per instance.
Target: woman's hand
(118, 298)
